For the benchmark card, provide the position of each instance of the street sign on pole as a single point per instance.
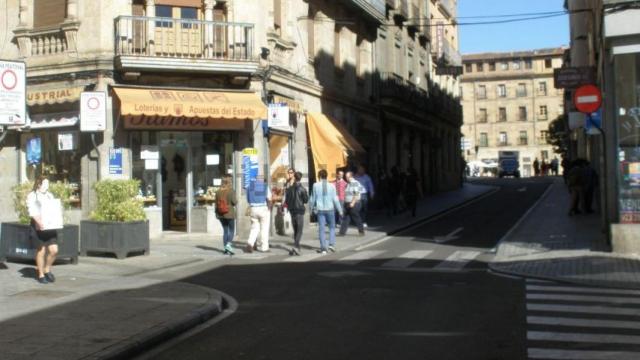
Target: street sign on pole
(13, 94)
(587, 99)
(573, 77)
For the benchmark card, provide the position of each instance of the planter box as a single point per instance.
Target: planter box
(118, 238)
(16, 243)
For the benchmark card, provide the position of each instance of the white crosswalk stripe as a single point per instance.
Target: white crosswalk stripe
(304, 258)
(457, 260)
(406, 259)
(561, 326)
(359, 257)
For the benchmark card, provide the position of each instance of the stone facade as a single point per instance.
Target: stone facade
(509, 100)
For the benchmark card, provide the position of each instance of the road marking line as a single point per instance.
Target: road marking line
(377, 242)
(406, 259)
(583, 338)
(536, 353)
(584, 298)
(591, 323)
(607, 310)
(579, 289)
(359, 257)
(303, 258)
(457, 260)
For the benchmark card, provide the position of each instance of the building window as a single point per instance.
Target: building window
(49, 12)
(190, 14)
(482, 116)
(468, 68)
(545, 154)
(522, 113)
(482, 91)
(504, 65)
(544, 137)
(164, 11)
(502, 90)
(542, 88)
(522, 90)
(523, 140)
(548, 64)
(479, 67)
(516, 65)
(528, 64)
(543, 112)
(502, 139)
(492, 66)
(484, 140)
(502, 114)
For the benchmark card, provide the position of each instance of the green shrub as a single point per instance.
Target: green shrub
(117, 201)
(60, 190)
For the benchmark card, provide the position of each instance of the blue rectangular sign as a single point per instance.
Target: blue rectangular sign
(115, 161)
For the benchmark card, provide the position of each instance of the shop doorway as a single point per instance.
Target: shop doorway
(174, 165)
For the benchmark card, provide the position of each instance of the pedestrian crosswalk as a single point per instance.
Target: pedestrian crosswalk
(581, 322)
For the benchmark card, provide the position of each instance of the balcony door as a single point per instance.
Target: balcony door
(178, 33)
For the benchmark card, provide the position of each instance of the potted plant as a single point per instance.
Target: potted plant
(118, 225)
(15, 241)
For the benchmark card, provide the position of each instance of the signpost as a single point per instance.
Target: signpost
(573, 77)
(587, 99)
(13, 94)
(93, 111)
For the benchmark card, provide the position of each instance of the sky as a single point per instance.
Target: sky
(524, 35)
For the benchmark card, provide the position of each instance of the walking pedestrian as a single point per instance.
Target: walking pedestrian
(340, 184)
(259, 198)
(38, 201)
(324, 203)
(536, 167)
(413, 190)
(554, 166)
(590, 184)
(226, 201)
(575, 180)
(295, 202)
(565, 164)
(367, 193)
(352, 205)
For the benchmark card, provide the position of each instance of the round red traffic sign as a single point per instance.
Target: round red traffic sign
(587, 98)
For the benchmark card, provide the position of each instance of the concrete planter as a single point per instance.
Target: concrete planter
(15, 242)
(118, 238)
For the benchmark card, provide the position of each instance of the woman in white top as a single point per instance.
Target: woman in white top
(45, 239)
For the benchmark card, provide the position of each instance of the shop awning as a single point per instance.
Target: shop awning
(48, 96)
(330, 142)
(187, 110)
(52, 120)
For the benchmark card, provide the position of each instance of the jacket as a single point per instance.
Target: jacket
(324, 198)
(232, 201)
(295, 198)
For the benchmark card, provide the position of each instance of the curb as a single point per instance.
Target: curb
(152, 337)
(402, 228)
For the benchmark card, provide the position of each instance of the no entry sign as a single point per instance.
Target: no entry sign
(587, 99)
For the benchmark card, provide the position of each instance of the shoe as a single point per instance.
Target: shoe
(50, 278)
(248, 249)
(364, 225)
(295, 251)
(43, 280)
(332, 248)
(322, 251)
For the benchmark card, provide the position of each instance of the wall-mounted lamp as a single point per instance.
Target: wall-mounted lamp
(264, 54)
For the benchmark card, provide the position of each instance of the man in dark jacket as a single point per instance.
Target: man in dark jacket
(295, 198)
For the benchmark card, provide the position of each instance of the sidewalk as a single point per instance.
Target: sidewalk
(549, 244)
(107, 308)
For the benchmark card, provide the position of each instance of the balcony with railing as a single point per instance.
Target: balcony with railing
(376, 9)
(184, 45)
(448, 6)
(450, 54)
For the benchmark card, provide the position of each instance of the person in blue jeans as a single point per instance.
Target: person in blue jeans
(324, 203)
(226, 201)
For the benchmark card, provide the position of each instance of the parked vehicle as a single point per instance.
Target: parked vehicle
(508, 164)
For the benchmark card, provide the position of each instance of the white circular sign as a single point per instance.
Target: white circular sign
(93, 103)
(9, 79)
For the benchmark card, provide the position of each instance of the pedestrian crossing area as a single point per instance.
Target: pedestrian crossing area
(581, 322)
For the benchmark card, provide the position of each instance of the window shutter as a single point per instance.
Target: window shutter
(49, 12)
(181, 3)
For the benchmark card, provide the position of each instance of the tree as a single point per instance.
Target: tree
(559, 135)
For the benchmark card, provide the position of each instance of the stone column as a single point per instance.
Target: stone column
(209, 27)
(22, 31)
(72, 9)
(150, 11)
(71, 25)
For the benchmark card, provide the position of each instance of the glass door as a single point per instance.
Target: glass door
(175, 165)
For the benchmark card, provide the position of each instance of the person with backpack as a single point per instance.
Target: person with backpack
(296, 197)
(324, 203)
(226, 200)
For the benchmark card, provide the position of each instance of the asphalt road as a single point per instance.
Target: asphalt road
(422, 294)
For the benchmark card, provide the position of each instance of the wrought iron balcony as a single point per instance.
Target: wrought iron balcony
(375, 9)
(450, 54)
(184, 45)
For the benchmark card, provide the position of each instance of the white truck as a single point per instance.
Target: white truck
(508, 164)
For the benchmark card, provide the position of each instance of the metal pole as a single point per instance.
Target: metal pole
(95, 147)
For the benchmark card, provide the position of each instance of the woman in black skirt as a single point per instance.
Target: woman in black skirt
(47, 248)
